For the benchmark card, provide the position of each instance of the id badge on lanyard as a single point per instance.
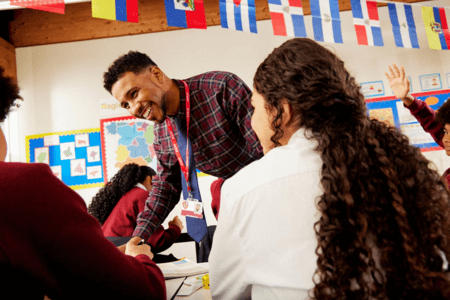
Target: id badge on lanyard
(190, 206)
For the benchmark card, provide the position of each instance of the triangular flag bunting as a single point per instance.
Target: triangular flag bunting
(436, 27)
(367, 22)
(287, 18)
(118, 10)
(185, 13)
(238, 15)
(326, 21)
(55, 6)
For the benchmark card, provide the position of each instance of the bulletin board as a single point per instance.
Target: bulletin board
(75, 156)
(392, 111)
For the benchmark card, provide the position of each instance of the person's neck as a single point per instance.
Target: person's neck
(173, 99)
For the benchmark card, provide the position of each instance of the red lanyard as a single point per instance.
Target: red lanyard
(184, 168)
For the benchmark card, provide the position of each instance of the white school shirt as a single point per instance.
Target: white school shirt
(264, 244)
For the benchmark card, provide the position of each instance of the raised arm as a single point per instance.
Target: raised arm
(399, 84)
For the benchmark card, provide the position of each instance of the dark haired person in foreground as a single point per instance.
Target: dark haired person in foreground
(437, 124)
(223, 141)
(117, 205)
(339, 207)
(49, 244)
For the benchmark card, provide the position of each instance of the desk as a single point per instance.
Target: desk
(172, 286)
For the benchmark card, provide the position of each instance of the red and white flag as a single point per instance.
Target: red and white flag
(56, 6)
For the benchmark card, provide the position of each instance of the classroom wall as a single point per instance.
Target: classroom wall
(62, 83)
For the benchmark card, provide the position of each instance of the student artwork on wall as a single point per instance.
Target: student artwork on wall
(431, 82)
(372, 89)
(392, 111)
(127, 140)
(75, 157)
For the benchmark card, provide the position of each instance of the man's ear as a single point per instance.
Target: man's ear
(156, 73)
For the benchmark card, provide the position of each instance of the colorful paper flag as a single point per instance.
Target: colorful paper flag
(55, 6)
(287, 17)
(119, 10)
(238, 15)
(185, 13)
(326, 21)
(436, 27)
(367, 23)
(403, 25)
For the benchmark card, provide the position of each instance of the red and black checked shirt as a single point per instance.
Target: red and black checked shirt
(221, 135)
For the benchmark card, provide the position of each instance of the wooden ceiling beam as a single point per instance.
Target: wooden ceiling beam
(34, 27)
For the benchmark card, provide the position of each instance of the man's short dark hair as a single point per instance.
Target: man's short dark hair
(9, 92)
(133, 61)
(443, 113)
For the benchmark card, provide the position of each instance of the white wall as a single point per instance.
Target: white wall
(62, 84)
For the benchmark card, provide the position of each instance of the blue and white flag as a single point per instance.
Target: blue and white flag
(403, 25)
(326, 21)
(238, 15)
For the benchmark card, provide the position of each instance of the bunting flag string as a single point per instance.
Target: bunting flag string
(238, 15)
(436, 27)
(55, 6)
(287, 18)
(119, 10)
(403, 25)
(326, 21)
(185, 13)
(367, 23)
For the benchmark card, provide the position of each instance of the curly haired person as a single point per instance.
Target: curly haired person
(117, 205)
(339, 207)
(51, 247)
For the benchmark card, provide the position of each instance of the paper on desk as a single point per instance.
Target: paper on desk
(181, 268)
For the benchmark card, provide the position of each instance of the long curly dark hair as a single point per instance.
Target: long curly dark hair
(384, 227)
(123, 181)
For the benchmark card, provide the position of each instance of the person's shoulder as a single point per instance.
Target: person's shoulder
(24, 170)
(215, 79)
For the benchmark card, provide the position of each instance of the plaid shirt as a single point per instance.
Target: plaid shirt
(221, 135)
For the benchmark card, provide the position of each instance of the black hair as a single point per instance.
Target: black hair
(107, 197)
(133, 61)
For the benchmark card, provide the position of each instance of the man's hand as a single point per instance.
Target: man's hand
(177, 222)
(399, 84)
(135, 250)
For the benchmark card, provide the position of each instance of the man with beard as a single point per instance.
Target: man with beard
(218, 109)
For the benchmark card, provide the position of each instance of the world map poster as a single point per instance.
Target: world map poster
(126, 140)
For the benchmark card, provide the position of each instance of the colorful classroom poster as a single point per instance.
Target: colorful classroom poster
(430, 82)
(392, 111)
(372, 89)
(75, 156)
(127, 140)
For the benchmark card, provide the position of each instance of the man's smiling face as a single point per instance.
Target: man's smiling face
(142, 95)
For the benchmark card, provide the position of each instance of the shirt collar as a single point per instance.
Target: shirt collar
(140, 185)
(182, 107)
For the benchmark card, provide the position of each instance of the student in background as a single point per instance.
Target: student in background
(117, 205)
(49, 244)
(435, 123)
(339, 207)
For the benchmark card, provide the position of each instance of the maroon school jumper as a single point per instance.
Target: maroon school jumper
(50, 245)
(122, 221)
(425, 115)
